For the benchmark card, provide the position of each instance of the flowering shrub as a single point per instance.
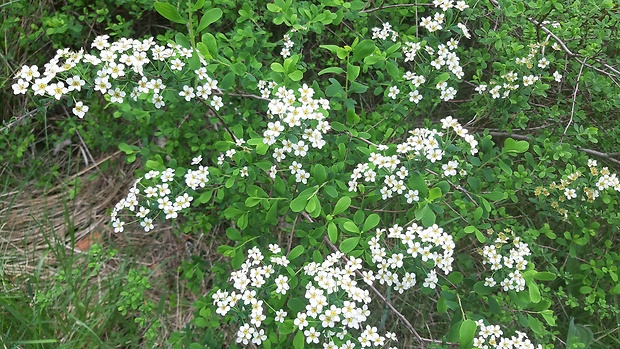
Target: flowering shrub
(323, 146)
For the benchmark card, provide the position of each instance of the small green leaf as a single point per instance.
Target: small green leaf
(426, 215)
(544, 276)
(371, 222)
(332, 232)
(318, 173)
(169, 12)
(434, 194)
(296, 75)
(578, 336)
(363, 49)
(296, 304)
(342, 205)
(349, 244)
(208, 18)
(548, 316)
(455, 277)
(533, 291)
(233, 234)
(332, 70)
(467, 331)
(277, 67)
(295, 252)
(353, 71)
(350, 227)
(298, 341)
(514, 147)
(299, 203)
(126, 148)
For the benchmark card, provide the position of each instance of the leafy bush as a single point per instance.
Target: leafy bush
(378, 174)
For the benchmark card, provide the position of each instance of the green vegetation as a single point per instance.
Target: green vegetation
(319, 174)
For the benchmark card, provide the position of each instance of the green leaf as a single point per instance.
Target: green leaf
(342, 205)
(296, 75)
(350, 227)
(332, 70)
(233, 234)
(434, 194)
(363, 49)
(482, 290)
(127, 149)
(548, 316)
(210, 42)
(426, 215)
(316, 211)
(169, 12)
(578, 336)
(205, 197)
(533, 291)
(349, 244)
(318, 173)
(467, 331)
(371, 222)
(277, 67)
(455, 277)
(441, 78)
(295, 252)
(296, 304)
(298, 342)
(514, 147)
(182, 40)
(299, 203)
(208, 18)
(155, 165)
(544, 276)
(535, 324)
(287, 326)
(353, 71)
(332, 48)
(332, 232)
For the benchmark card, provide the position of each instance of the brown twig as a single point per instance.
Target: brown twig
(608, 156)
(392, 6)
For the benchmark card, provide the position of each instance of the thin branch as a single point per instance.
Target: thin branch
(232, 135)
(571, 53)
(21, 117)
(608, 156)
(392, 6)
(572, 109)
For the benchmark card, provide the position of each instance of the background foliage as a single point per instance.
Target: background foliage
(535, 145)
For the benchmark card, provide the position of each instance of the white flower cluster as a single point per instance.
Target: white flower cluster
(334, 321)
(422, 145)
(430, 244)
(299, 124)
(384, 33)
(113, 64)
(510, 258)
(440, 56)
(576, 185)
(445, 5)
(333, 325)
(288, 44)
(250, 282)
(509, 80)
(156, 197)
(490, 337)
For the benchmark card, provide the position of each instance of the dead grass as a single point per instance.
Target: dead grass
(74, 213)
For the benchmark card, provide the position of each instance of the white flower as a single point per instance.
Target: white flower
(80, 109)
